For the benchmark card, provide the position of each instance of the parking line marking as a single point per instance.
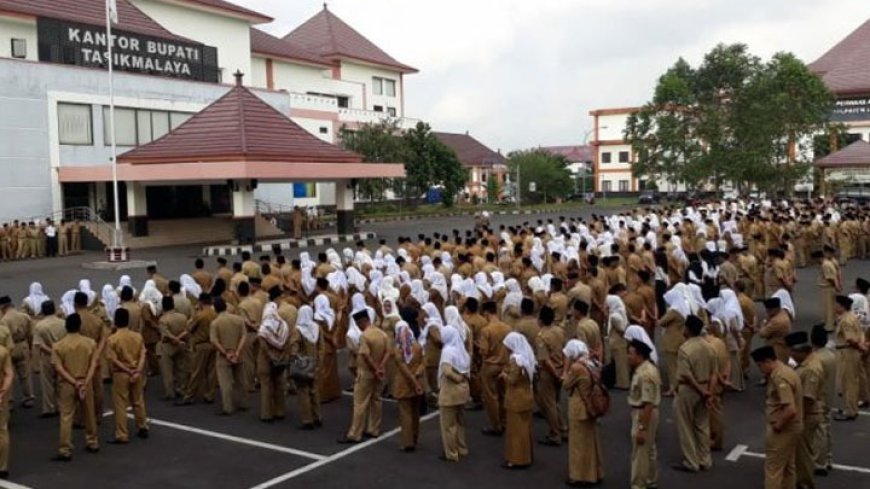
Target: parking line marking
(232, 438)
(741, 450)
(332, 458)
(12, 485)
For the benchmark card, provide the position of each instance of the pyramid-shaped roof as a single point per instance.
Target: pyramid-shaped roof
(239, 127)
(844, 68)
(856, 154)
(330, 37)
(269, 45)
(469, 150)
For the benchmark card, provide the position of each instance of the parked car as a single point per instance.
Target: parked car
(648, 198)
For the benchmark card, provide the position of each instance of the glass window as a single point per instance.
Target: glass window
(125, 127)
(378, 108)
(159, 123)
(143, 126)
(343, 101)
(606, 185)
(391, 111)
(177, 118)
(75, 124)
(623, 185)
(390, 88)
(19, 48)
(324, 130)
(623, 156)
(605, 157)
(378, 86)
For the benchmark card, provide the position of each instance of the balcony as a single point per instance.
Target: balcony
(361, 116)
(305, 101)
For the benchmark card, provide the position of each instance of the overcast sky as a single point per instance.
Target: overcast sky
(523, 73)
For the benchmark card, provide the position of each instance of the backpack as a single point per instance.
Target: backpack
(599, 398)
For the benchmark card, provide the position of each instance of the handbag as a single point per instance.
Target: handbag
(302, 368)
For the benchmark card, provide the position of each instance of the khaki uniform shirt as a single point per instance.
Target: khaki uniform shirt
(528, 327)
(19, 325)
(48, 331)
(696, 359)
(784, 389)
(172, 323)
(200, 327)
(126, 347)
(588, 332)
(812, 376)
(74, 352)
(374, 343)
(227, 330)
(251, 310)
(548, 346)
(646, 386)
(135, 311)
(828, 359)
(674, 324)
(491, 344)
(92, 326)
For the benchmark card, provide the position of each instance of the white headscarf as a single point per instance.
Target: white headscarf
(189, 286)
(676, 300)
(617, 315)
(36, 298)
(405, 341)
(273, 329)
(497, 281)
(355, 278)
(469, 289)
(861, 309)
(305, 324)
(635, 332)
(387, 289)
(110, 300)
(67, 302)
(521, 352)
(85, 286)
(323, 311)
(453, 318)
(453, 352)
(731, 310)
(151, 296)
(309, 283)
(786, 302)
(577, 350)
(537, 285)
(482, 283)
(358, 303)
(439, 283)
(125, 281)
(418, 292)
(433, 320)
(514, 296)
(376, 277)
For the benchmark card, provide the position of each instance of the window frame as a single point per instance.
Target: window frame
(90, 124)
(377, 85)
(20, 42)
(627, 155)
(606, 157)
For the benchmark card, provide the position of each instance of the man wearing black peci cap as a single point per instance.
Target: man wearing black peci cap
(812, 378)
(776, 327)
(784, 419)
(374, 349)
(73, 358)
(126, 352)
(850, 346)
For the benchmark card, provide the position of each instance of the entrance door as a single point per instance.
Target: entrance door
(176, 202)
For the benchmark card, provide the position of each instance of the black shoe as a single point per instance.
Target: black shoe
(305, 427)
(491, 432)
(117, 442)
(61, 458)
(28, 403)
(369, 436)
(510, 466)
(861, 404)
(143, 433)
(92, 449)
(445, 459)
(344, 440)
(821, 472)
(48, 415)
(549, 442)
(408, 449)
(843, 417)
(183, 402)
(4, 474)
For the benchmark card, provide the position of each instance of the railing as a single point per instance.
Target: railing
(313, 102)
(101, 229)
(373, 117)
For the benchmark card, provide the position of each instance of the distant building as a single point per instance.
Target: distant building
(580, 159)
(482, 162)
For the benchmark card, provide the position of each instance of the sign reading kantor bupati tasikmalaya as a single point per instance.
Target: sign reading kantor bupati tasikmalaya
(851, 109)
(87, 45)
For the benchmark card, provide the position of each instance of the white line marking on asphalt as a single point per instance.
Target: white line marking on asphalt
(12, 485)
(236, 439)
(741, 450)
(334, 457)
(350, 394)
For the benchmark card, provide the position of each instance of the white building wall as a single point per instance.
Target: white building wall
(230, 36)
(362, 74)
(16, 28)
(257, 78)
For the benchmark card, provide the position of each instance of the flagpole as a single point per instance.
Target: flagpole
(116, 236)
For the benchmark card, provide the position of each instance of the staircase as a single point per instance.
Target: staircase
(173, 232)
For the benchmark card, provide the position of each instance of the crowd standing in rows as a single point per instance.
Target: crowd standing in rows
(35, 239)
(660, 303)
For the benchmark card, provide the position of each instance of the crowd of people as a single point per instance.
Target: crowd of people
(656, 302)
(23, 240)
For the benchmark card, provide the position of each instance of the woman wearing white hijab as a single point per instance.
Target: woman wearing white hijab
(584, 455)
(407, 384)
(617, 322)
(518, 401)
(33, 302)
(190, 287)
(510, 308)
(67, 302)
(732, 320)
(635, 332)
(152, 307)
(356, 279)
(418, 292)
(305, 343)
(85, 286)
(126, 281)
(111, 301)
(452, 317)
(539, 292)
(786, 302)
(454, 369)
(430, 340)
(483, 286)
(272, 357)
(673, 324)
(438, 286)
(328, 384)
(387, 289)
(358, 303)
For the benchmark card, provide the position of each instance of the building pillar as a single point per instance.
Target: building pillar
(244, 211)
(344, 206)
(206, 197)
(137, 209)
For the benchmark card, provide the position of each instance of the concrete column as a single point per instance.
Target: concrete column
(244, 211)
(137, 209)
(344, 206)
(206, 195)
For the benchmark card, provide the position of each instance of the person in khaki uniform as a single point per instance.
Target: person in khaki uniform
(126, 351)
(48, 331)
(584, 456)
(776, 327)
(519, 401)
(203, 381)
(453, 392)
(617, 322)
(696, 377)
(723, 379)
(20, 328)
(372, 358)
(812, 377)
(251, 310)
(173, 351)
(527, 324)
(828, 283)
(407, 384)
(75, 358)
(134, 309)
(673, 322)
(644, 397)
(588, 331)
(273, 355)
(558, 302)
(784, 419)
(306, 342)
(75, 231)
(432, 344)
(476, 323)
(850, 346)
(548, 349)
(828, 359)
(93, 327)
(227, 334)
(63, 238)
(495, 358)
(6, 375)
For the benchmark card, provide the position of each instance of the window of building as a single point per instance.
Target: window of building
(377, 86)
(177, 118)
(143, 127)
(135, 127)
(343, 101)
(623, 185)
(390, 88)
(378, 108)
(605, 157)
(19, 48)
(159, 123)
(483, 176)
(391, 111)
(324, 130)
(623, 156)
(75, 124)
(607, 185)
(383, 86)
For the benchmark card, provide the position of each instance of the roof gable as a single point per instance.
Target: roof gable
(329, 36)
(844, 67)
(230, 8)
(239, 126)
(267, 44)
(855, 154)
(470, 151)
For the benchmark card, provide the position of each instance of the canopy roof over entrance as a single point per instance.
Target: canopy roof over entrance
(855, 155)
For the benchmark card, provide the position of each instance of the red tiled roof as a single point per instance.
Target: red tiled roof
(470, 151)
(331, 37)
(574, 154)
(844, 68)
(263, 43)
(239, 127)
(93, 12)
(234, 9)
(855, 154)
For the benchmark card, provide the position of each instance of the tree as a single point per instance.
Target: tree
(549, 172)
(429, 163)
(732, 119)
(493, 189)
(377, 143)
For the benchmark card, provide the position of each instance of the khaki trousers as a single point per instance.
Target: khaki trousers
(203, 380)
(779, 462)
(619, 355)
(309, 402)
(827, 295)
(717, 428)
(453, 431)
(805, 456)
(232, 385)
(409, 420)
(492, 395)
(76, 242)
(273, 390)
(69, 403)
(367, 407)
(249, 361)
(47, 384)
(822, 441)
(547, 390)
(23, 373)
(174, 368)
(848, 369)
(669, 359)
(4, 437)
(126, 393)
(693, 427)
(644, 458)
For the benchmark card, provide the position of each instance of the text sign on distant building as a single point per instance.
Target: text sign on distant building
(86, 45)
(852, 109)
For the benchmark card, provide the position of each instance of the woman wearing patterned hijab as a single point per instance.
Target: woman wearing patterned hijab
(407, 384)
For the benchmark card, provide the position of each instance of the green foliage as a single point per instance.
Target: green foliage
(493, 189)
(731, 119)
(377, 143)
(549, 172)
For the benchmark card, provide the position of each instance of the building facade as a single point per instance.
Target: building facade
(483, 164)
